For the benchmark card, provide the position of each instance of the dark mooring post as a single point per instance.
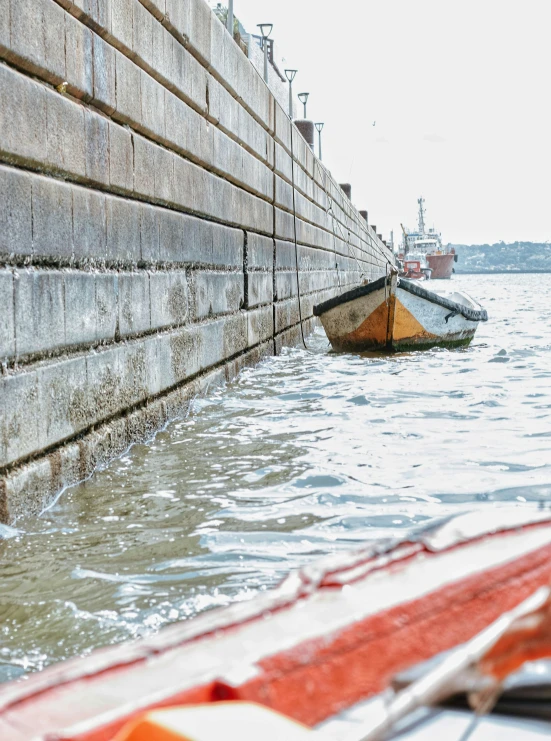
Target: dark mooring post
(364, 215)
(306, 128)
(347, 190)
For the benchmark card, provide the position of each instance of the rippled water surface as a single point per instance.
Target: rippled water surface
(306, 454)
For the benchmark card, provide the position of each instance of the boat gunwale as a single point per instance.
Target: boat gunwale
(472, 315)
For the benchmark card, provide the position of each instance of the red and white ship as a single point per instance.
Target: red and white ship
(425, 247)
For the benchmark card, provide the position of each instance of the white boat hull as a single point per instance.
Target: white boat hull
(397, 314)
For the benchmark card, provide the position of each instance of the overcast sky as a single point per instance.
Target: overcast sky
(459, 91)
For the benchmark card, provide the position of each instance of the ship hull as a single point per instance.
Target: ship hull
(396, 314)
(441, 265)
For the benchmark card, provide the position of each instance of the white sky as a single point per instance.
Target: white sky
(460, 91)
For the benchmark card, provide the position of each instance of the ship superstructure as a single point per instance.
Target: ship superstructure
(425, 246)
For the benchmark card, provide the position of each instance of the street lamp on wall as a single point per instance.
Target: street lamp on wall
(303, 97)
(319, 127)
(229, 19)
(265, 30)
(290, 75)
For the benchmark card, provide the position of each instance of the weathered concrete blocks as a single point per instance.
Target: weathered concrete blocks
(121, 158)
(96, 131)
(15, 212)
(79, 58)
(170, 304)
(22, 429)
(128, 79)
(39, 308)
(104, 88)
(216, 293)
(35, 31)
(123, 230)
(66, 143)
(7, 324)
(22, 117)
(134, 303)
(106, 306)
(89, 226)
(52, 214)
(122, 25)
(260, 325)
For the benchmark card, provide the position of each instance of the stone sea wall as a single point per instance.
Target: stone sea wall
(147, 229)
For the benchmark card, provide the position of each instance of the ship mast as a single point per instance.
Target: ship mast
(420, 201)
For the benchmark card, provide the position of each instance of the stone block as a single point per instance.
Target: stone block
(39, 311)
(144, 167)
(260, 325)
(104, 91)
(122, 24)
(79, 58)
(15, 212)
(178, 14)
(169, 299)
(228, 246)
(216, 293)
(153, 106)
(106, 306)
(142, 28)
(66, 404)
(5, 23)
(121, 158)
(260, 289)
(53, 20)
(161, 50)
(285, 285)
(27, 43)
(20, 418)
(134, 303)
(89, 226)
(201, 18)
(22, 117)
(80, 308)
(185, 182)
(235, 335)
(260, 252)
(178, 355)
(127, 83)
(182, 126)
(96, 131)
(123, 231)
(7, 325)
(172, 236)
(52, 209)
(286, 314)
(164, 175)
(149, 233)
(65, 135)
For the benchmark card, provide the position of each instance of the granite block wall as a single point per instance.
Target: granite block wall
(149, 238)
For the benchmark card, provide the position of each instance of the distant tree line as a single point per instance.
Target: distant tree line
(511, 257)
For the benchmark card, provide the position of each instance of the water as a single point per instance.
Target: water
(309, 453)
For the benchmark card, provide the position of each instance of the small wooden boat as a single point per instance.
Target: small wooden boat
(334, 634)
(397, 314)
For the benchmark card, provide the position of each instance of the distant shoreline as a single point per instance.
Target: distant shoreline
(498, 272)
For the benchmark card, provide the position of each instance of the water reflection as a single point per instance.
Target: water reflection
(304, 455)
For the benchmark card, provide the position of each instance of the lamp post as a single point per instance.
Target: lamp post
(229, 19)
(290, 75)
(265, 30)
(319, 127)
(303, 97)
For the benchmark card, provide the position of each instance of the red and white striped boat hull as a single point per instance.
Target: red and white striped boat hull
(330, 635)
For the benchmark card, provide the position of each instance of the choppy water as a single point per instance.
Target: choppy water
(306, 454)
